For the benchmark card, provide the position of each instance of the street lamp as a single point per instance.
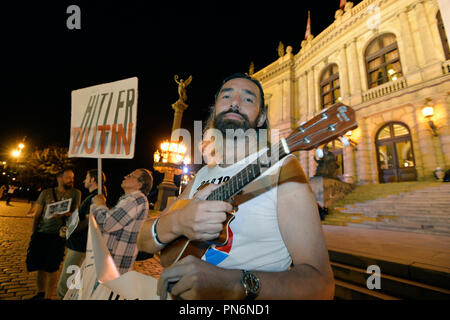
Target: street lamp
(169, 159)
(170, 153)
(428, 112)
(16, 153)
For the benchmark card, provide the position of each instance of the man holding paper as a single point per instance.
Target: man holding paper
(46, 248)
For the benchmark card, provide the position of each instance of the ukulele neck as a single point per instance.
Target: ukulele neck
(249, 173)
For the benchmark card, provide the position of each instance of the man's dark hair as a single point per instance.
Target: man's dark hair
(146, 179)
(61, 172)
(93, 173)
(262, 106)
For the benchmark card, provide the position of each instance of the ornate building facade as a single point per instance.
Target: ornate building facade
(387, 59)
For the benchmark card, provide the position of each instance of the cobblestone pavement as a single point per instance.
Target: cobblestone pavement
(15, 232)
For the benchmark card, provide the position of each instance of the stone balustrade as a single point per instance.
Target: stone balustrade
(384, 89)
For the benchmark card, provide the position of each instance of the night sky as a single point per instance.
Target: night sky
(43, 61)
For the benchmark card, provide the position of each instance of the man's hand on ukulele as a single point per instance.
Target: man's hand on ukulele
(202, 219)
(199, 280)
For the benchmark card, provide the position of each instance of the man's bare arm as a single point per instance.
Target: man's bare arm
(310, 277)
(145, 240)
(196, 219)
(37, 216)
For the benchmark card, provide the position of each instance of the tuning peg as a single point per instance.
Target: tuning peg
(345, 141)
(319, 153)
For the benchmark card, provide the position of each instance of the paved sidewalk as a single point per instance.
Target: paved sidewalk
(430, 251)
(425, 250)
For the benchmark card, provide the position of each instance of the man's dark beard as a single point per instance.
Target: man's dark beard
(68, 186)
(222, 124)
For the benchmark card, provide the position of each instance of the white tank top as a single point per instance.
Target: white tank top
(255, 241)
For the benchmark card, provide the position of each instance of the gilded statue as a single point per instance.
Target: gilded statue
(182, 85)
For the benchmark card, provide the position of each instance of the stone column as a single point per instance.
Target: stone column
(416, 143)
(311, 95)
(426, 38)
(179, 107)
(165, 190)
(316, 90)
(312, 165)
(344, 74)
(354, 73)
(305, 113)
(349, 164)
(311, 110)
(168, 188)
(303, 96)
(363, 154)
(409, 49)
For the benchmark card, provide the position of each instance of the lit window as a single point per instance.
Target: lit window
(383, 61)
(330, 90)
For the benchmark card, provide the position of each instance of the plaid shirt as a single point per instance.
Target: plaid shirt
(120, 227)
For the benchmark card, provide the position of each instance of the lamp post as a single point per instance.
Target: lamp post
(428, 113)
(16, 153)
(171, 157)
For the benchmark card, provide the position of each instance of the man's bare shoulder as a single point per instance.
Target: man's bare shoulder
(292, 171)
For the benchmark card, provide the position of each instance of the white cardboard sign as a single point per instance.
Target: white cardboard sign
(103, 122)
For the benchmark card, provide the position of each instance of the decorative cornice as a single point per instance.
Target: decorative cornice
(321, 41)
(273, 69)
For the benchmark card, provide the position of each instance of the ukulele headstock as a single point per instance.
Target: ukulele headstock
(331, 123)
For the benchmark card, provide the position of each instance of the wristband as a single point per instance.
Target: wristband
(155, 234)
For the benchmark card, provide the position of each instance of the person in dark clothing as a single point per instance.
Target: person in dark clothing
(46, 249)
(76, 243)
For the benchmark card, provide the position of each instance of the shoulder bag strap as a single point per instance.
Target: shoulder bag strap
(54, 195)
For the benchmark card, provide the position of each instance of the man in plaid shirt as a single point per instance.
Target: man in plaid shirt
(120, 225)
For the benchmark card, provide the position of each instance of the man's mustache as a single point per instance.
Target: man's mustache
(235, 111)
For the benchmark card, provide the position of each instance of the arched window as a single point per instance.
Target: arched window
(444, 40)
(383, 60)
(330, 92)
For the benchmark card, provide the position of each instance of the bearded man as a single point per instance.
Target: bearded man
(275, 249)
(47, 245)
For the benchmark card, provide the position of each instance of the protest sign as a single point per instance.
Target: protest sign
(103, 122)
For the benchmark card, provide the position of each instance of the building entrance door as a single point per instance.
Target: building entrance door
(395, 154)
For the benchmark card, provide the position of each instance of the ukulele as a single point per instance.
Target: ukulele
(331, 123)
